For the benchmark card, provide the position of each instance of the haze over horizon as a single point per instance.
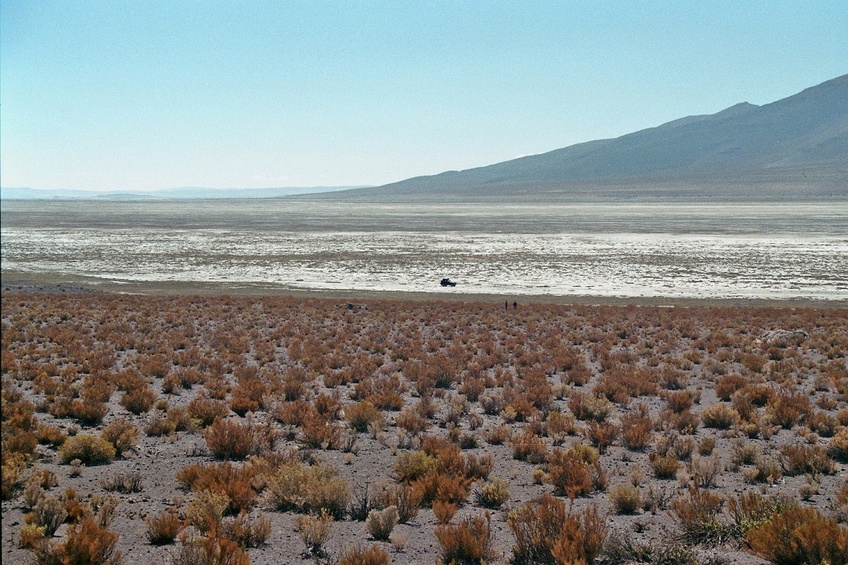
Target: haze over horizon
(141, 96)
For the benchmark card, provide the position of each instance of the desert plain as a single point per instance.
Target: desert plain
(213, 428)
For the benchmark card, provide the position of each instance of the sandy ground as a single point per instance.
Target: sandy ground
(703, 341)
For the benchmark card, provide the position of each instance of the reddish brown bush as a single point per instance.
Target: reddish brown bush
(637, 428)
(232, 439)
(787, 408)
(205, 410)
(470, 541)
(546, 532)
(575, 472)
(800, 535)
(163, 528)
(233, 481)
(529, 447)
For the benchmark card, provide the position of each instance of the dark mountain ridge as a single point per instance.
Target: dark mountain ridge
(794, 148)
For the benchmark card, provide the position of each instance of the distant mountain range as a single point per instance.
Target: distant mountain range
(165, 194)
(792, 149)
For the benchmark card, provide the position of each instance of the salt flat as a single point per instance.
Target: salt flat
(722, 251)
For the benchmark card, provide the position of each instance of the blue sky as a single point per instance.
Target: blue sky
(158, 94)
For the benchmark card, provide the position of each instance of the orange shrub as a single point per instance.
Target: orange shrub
(575, 472)
(637, 428)
(547, 532)
(233, 481)
(800, 535)
(232, 439)
(469, 541)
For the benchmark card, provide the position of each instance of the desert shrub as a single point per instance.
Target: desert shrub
(89, 449)
(31, 536)
(206, 510)
(159, 425)
(124, 482)
(411, 420)
(800, 535)
(162, 529)
(412, 465)
(601, 434)
(697, 513)
(50, 435)
(370, 555)
(626, 499)
(705, 470)
(467, 543)
(787, 408)
(49, 512)
(122, 434)
(213, 548)
(684, 422)
(637, 429)
(547, 532)
(589, 406)
(405, 498)
(231, 439)
(679, 400)
(494, 494)
(729, 384)
(320, 433)
(664, 466)
(444, 511)
(821, 423)
(806, 459)
(380, 523)
(232, 481)
(73, 506)
(497, 435)
(360, 415)
(89, 412)
(13, 465)
(837, 447)
(574, 472)
(719, 416)
(765, 470)
(303, 488)
(559, 425)
(248, 531)
(314, 531)
(443, 486)
(86, 542)
(139, 400)
(206, 410)
(529, 447)
(706, 446)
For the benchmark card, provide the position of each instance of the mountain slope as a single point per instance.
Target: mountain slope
(796, 147)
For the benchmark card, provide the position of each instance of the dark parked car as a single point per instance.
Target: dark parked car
(447, 282)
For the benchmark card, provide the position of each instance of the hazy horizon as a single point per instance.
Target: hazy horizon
(150, 96)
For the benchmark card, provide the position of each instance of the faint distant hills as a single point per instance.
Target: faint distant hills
(165, 194)
(792, 149)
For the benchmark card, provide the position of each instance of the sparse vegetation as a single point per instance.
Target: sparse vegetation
(677, 407)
